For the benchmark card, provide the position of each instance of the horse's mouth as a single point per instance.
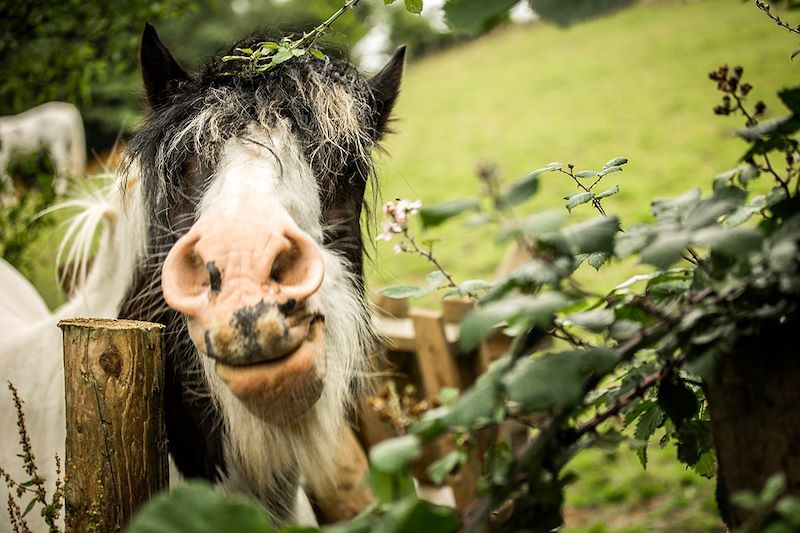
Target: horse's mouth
(281, 389)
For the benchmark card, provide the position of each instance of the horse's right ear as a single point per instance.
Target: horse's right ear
(161, 73)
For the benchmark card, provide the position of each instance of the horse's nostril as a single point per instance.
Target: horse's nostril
(285, 269)
(214, 277)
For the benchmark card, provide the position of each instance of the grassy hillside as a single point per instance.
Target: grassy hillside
(634, 84)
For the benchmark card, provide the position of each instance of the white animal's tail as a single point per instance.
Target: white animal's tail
(93, 207)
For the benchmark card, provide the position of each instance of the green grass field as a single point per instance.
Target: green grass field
(633, 84)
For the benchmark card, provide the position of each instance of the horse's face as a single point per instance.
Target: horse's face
(259, 223)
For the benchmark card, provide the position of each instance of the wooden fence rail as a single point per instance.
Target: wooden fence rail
(116, 447)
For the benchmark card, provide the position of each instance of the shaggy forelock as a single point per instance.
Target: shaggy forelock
(326, 104)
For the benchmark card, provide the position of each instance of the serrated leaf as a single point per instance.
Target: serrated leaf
(674, 209)
(608, 192)
(651, 418)
(479, 404)
(480, 322)
(433, 215)
(706, 465)
(556, 379)
(395, 455)
(597, 260)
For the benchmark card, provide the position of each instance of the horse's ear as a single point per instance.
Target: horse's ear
(385, 86)
(161, 73)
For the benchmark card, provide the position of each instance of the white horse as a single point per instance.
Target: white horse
(55, 128)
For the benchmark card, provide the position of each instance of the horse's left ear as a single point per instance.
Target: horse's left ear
(385, 86)
(161, 73)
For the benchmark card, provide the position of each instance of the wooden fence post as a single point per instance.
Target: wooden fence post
(116, 448)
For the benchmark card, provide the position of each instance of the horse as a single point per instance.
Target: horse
(235, 221)
(55, 128)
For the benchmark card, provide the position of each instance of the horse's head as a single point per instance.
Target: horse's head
(254, 187)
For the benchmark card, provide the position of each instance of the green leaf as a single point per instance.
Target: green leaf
(481, 403)
(586, 174)
(616, 162)
(556, 379)
(317, 53)
(196, 507)
(412, 515)
(388, 487)
(795, 53)
(609, 192)
(480, 322)
(595, 320)
(448, 395)
(433, 215)
(555, 165)
(402, 291)
(594, 235)
(471, 286)
(789, 509)
(597, 259)
(791, 99)
(414, 6)
(694, 439)
(651, 418)
(534, 226)
(748, 174)
(29, 507)
(443, 467)
(729, 241)
(578, 198)
(706, 465)
(665, 249)
(434, 279)
(673, 210)
(633, 240)
(470, 16)
(395, 455)
(523, 188)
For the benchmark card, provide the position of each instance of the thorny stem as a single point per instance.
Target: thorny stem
(784, 184)
(763, 6)
(430, 257)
